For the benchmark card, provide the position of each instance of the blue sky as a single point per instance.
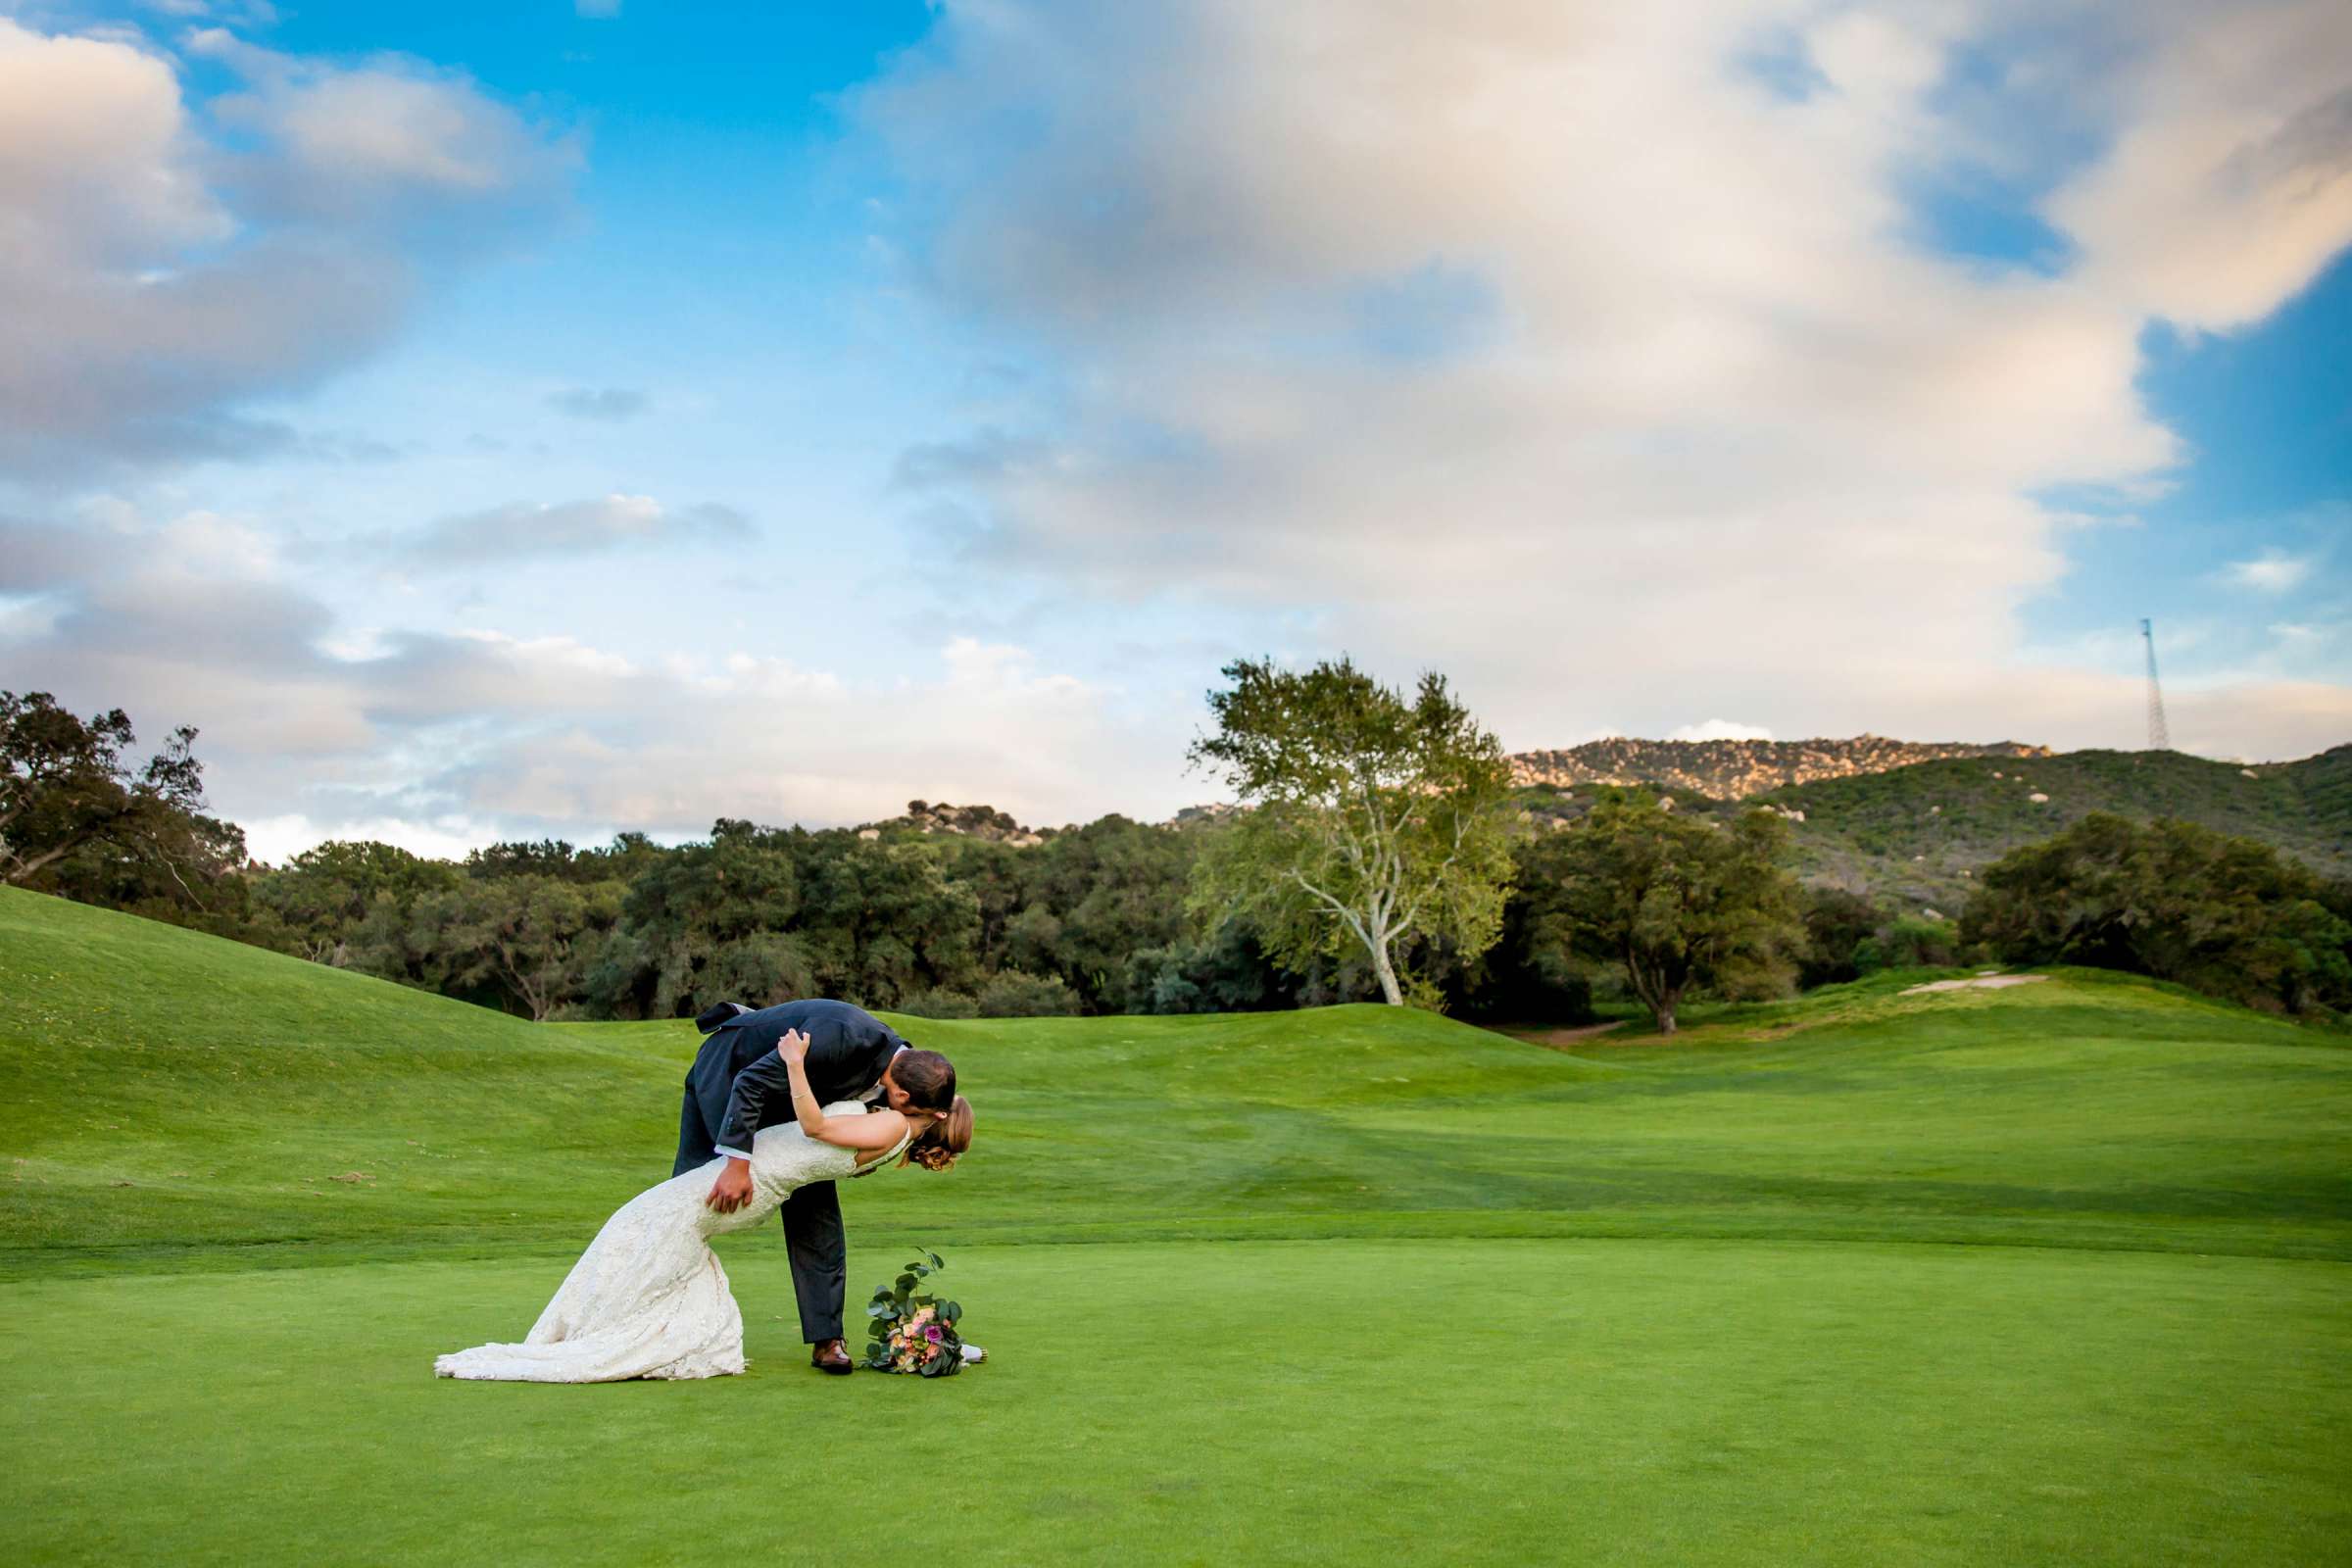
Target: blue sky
(495, 420)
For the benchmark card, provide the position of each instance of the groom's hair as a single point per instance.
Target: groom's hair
(928, 1078)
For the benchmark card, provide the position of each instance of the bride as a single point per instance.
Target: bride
(649, 1299)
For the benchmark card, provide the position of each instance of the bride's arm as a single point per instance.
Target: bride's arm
(861, 1131)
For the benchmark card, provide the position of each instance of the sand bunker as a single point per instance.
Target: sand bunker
(1989, 982)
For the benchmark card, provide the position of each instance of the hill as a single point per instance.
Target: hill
(163, 1094)
(1917, 834)
(961, 821)
(1732, 770)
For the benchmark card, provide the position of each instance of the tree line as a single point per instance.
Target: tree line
(1378, 853)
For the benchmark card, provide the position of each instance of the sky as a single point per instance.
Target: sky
(558, 418)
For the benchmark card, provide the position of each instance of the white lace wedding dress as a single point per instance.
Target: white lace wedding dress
(648, 1298)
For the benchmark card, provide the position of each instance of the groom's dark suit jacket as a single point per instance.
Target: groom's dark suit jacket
(738, 1085)
(742, 1085)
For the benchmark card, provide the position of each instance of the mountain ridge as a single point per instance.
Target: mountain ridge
(1906, 821)
(1735, 769)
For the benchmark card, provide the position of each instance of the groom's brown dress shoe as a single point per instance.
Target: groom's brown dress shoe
(830, 1356)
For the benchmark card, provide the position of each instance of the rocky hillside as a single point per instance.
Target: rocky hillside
(1912, 834)
(1734, 770)
(969, 822)
(1915, 836)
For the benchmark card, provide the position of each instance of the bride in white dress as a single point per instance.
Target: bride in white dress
(648, 1298)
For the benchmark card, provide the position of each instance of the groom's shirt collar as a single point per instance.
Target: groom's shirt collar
(873, 1095)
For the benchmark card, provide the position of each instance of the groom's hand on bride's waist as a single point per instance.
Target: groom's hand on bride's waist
(733, 1189)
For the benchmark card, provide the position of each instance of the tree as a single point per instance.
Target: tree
(1839, 921)
(1368, 818)
(1012, 993)
(880, 919)
(66, 791)
(707, 924)
(533, 936)
(2229, 917)
(1093, 897)
(1680, 901)
(1225, 971)
(322, 896)
(1527, 977)
(1910, 942)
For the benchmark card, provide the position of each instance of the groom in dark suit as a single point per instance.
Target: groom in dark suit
(738, 1085)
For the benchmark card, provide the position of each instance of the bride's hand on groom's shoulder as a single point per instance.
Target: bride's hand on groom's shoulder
(794, 1048)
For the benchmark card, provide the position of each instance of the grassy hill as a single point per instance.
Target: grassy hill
(1911, 832)
(2050, 1273)
(1916, 834)
(164, 1095)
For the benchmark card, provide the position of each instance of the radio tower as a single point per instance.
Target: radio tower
(2158, 739)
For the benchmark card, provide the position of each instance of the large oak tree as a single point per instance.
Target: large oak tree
(77, 816)
(1678, 900)
(1370, 817)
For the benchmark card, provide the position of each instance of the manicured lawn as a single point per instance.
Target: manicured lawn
(2057, 1273)
(1432, 1400)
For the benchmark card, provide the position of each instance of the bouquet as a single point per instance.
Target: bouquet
(914, 1333)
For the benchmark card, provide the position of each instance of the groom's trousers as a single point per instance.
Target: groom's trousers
(814, 1238)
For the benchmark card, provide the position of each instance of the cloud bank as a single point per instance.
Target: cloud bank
(441, 739)
(1634, 366)
(1575, 351)
(162, 266)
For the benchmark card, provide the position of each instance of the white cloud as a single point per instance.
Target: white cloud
(1720, 729)
(2273, 571)
(230, 13)
(161, 266)
(313, 730)
(2229, 181)
(276, 840)
(1700, 413)
(523, 529)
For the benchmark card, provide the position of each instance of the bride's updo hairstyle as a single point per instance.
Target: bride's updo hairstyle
(942, 1141)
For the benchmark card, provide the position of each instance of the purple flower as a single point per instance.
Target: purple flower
(933, 1334)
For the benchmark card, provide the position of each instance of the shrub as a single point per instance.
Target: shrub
(2228, 916)
(1836, 924)
(1011, 994)
(937, 1002)
(1913, 942)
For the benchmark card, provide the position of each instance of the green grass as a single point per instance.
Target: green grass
(2052, 1273)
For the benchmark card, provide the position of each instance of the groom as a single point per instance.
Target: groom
(738, 1085)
